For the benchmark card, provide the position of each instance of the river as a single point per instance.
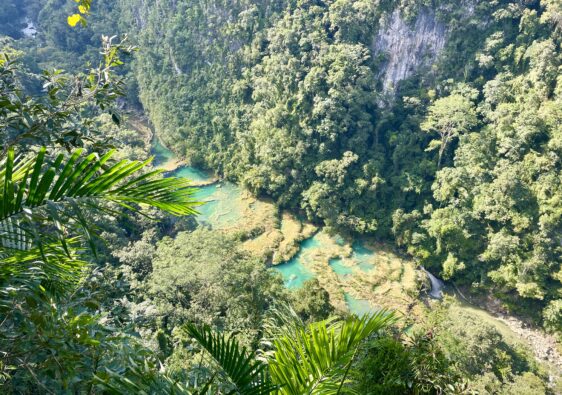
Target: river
(358, 275)
(223, 210)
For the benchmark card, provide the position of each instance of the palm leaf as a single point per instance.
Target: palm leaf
(37, 192)
(316, 359)
(51, 266)
(246, 374)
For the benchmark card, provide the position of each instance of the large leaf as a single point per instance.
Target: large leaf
(316, 359)
(245, 373)
(38, 196)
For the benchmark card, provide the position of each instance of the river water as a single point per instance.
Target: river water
(221, 211)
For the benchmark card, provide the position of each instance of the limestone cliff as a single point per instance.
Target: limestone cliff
(407, 47)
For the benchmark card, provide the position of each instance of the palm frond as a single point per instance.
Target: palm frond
(51, 267)
(246, 374)
(316, 359)
(37, 192)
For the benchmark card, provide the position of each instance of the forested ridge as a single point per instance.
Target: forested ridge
(433, 128)
(460, 164)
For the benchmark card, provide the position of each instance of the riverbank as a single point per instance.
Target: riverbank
(359, 275)
(545, 347)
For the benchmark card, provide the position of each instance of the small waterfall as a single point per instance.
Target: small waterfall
(29, 30)
(436, 285)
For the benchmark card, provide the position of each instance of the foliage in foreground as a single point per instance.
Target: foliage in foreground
(312, 359)
(54, 336)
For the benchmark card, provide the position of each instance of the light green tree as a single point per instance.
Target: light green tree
(449, 117)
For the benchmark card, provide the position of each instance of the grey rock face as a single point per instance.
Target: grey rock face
(407, 47)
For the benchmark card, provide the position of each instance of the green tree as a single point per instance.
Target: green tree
(204, 277)
(449, 117)
(312, 302)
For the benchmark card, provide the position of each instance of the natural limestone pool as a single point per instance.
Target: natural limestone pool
(224, 208)
(220, 209)
(294, 273)
(363, 256)
(222, 204)
(340, 268)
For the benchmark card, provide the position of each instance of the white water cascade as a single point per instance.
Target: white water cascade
(30, 30)
(436, 285)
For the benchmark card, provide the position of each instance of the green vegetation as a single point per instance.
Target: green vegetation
(440, 146)
(201, 276)
(461, 168)
(52, 336)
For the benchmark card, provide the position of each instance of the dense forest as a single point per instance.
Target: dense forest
(459, 163)
(430, 127)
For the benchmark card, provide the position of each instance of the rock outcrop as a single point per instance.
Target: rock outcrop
(407, 47)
